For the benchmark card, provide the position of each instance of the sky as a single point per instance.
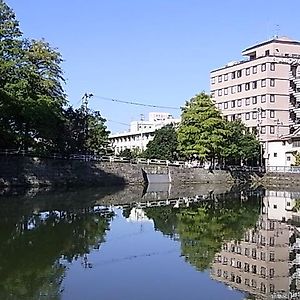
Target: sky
(157, 52)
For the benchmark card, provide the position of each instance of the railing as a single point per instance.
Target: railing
(283, 169)
(89, 157)
(117, 159)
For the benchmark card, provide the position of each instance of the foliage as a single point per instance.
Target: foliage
(32, 99)
(297, 158)
(240, 144)
(164, 144)
(204, 133)
(202, 130)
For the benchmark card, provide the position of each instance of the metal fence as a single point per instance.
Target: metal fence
(283, 169)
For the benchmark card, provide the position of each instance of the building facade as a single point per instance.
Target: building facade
(141, 132)
(263, 90)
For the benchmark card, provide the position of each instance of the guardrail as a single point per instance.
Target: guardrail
(89, 157)
(283, 169)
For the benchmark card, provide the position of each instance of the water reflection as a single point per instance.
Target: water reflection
(266, 261)
(78, 244)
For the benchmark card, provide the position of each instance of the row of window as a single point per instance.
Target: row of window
(242, 72)
(252, 115)
(249, 268)
(244, 87)
(238, 279)
(246, 101)
(248, 252)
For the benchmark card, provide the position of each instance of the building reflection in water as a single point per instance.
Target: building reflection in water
(266, 262)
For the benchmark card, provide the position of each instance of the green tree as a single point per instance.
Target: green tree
(240, 145)
(31, 92)
(164, 145)
(202, 129)
(297, 158)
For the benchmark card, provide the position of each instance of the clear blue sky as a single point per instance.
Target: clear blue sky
(152, 51)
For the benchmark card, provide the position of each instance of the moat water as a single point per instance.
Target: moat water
(197, 242)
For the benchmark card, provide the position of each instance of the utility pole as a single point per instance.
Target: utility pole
(85, 102)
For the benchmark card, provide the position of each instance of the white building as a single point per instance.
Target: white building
(281, 151)
(141, 132)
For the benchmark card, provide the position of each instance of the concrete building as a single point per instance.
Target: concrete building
(281, 151)
(263, 90)
(266, 262)
(141, 132)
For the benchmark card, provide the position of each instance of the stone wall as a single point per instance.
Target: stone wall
(26, 171)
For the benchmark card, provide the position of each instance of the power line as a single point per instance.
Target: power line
(135, 103)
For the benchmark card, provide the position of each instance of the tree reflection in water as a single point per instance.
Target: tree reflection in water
(203, 228)
(33, 248)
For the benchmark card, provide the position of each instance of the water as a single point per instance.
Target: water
(197, 242)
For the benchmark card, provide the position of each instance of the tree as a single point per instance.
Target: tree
(164, 145)
(202, 130)
(297, 158)
(31, 91)
(240, 144)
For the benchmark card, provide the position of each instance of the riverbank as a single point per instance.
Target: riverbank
(30, 171)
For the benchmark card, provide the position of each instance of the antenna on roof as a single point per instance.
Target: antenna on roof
(277, 30)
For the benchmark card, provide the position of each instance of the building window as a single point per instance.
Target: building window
(272, 129)
(288, 158)
(212, 94)
(247, 101)
(254, 115)
(272, 82)
(254, 85)
(272, 256)
(272, 98)
(247, 86)
(272, 113)
(263, 113)
(233, 75)
(272, 66)
(267, 52)
(233, 89)
(262, 256)
(254, 100)
(263, 82)
(220, 78)
(238, 73)
(220, 92)
(263, 67)
(239, 88)
(263, 130)
(225, 105)
(247, 116)
(225, 77)
(219, 105)
(213, 80)
(272, 273)
(225, 91)
(232, 103)
(275, 154)
(254, 69)
(239, 102)
(248, 71)
(272, 241)
(263, 98)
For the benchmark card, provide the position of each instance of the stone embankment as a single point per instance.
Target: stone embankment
(27, 171)
(280, 180)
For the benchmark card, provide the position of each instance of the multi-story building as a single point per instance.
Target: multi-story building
(141, 132)
(262, 90)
